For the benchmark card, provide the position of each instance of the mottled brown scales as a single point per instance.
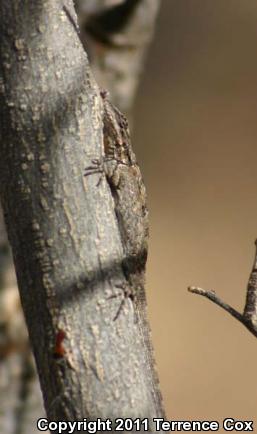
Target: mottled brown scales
(123, 174)
(117, 142)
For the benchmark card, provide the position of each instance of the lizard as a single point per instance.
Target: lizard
(123, 174)
(120, 167)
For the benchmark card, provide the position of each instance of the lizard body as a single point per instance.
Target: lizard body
(124, 177)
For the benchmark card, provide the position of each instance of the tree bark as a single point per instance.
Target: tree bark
(62, 227)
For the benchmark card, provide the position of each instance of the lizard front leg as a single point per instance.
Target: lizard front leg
(105, 166)
(127, 292)
(96, 167)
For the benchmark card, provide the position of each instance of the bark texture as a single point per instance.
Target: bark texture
(62, 228)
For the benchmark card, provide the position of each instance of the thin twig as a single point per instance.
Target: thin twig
(211, 295)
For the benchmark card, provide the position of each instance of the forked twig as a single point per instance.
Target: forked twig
(249, 317)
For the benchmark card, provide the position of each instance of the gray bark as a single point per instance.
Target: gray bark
(62, 228)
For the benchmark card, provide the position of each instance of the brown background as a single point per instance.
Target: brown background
(195, 135)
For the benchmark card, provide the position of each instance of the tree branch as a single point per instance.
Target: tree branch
(249, 317)
(117, 37)
(62, 228)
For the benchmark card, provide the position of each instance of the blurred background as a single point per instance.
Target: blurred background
(195, 137)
